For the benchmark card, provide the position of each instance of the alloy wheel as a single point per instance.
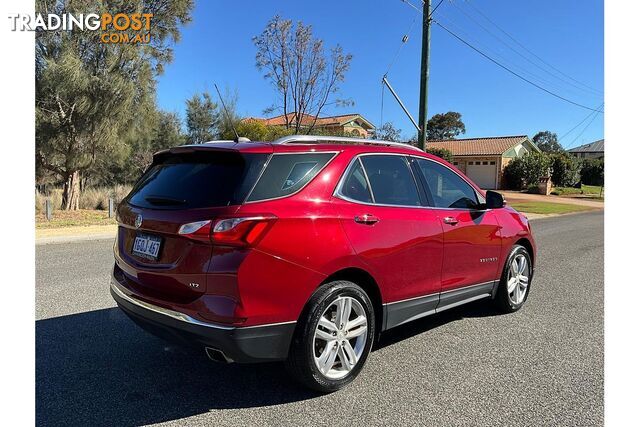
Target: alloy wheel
(518, 280)
(340, 337)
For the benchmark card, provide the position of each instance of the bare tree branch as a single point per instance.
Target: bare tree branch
(296, 64)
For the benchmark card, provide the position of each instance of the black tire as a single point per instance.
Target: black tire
(502, 300)
(301, 361)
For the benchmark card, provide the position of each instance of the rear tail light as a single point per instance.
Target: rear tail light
(199, 230)
(241, 231)
(244, 231)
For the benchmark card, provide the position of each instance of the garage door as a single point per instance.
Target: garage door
(482, 173)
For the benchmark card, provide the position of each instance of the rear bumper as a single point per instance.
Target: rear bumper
(250, 344)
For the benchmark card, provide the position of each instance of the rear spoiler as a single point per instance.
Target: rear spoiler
(228, 146)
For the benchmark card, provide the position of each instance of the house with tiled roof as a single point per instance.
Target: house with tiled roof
(349, 124)
(592, 150)
(484, 159)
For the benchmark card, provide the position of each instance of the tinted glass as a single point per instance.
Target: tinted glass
(447, 188)
(391, 180)
(197, 180)
(288, 173)
(355, 185)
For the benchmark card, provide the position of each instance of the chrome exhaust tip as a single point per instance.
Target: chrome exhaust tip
(217, 355)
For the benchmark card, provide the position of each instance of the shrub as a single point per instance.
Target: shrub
(513, 175)
(443, 153)
(55, 195)
(90, 198)
(592, 172)
(98, 197)
(565, 170)
(533, 189)
(526, 171)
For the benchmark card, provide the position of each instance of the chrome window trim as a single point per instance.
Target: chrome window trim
(337, 192)
(335, 153)
(115, 287)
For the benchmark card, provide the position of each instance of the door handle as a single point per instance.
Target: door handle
(366, 219)
(450, 220)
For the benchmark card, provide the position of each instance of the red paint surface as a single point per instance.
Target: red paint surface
(409, 252)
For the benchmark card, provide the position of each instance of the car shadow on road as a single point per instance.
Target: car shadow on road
(97, 368)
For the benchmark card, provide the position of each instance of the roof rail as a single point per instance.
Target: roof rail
(316, 139)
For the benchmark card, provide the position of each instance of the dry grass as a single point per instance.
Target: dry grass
(94, 203)
(96, 198)
(82, 217)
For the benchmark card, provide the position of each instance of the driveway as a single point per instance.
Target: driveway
(512, 196)
(466, 367)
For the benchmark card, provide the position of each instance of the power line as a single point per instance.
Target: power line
(405, 38)
(498, 56)
(412, 5)
(471, 18)
(582, 131)
(435, 8)
(528, 50)
(513, 72)
(422, 1)
(581, 122)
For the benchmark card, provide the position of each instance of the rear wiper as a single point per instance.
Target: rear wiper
(164, 201)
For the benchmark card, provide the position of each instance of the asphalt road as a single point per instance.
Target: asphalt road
(466, 367)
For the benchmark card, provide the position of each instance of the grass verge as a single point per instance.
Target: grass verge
(82, 217)
(587, 191)
(546, 208)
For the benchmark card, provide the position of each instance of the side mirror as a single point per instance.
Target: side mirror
(494, 200)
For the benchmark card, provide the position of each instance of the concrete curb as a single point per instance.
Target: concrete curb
(71, 239)
(73, 234)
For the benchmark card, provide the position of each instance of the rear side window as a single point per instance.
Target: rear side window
(197, 180)
(287, 173)
(355, 186)
(447, 188)
(391, 180)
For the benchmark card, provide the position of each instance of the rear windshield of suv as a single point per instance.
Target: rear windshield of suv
(197, 180)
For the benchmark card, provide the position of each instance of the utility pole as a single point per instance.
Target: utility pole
(424, 73)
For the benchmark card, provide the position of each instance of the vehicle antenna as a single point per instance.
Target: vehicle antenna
(224, 107)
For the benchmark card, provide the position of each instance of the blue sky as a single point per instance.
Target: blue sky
(568, 34)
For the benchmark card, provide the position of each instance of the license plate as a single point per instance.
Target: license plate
(147, 246)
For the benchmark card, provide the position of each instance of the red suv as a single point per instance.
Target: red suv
(305, 249)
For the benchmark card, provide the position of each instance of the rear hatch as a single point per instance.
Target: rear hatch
(159, 250)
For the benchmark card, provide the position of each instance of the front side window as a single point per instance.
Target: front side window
(355, 186)
(287, 173)
(447, 188)
(391, 180)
